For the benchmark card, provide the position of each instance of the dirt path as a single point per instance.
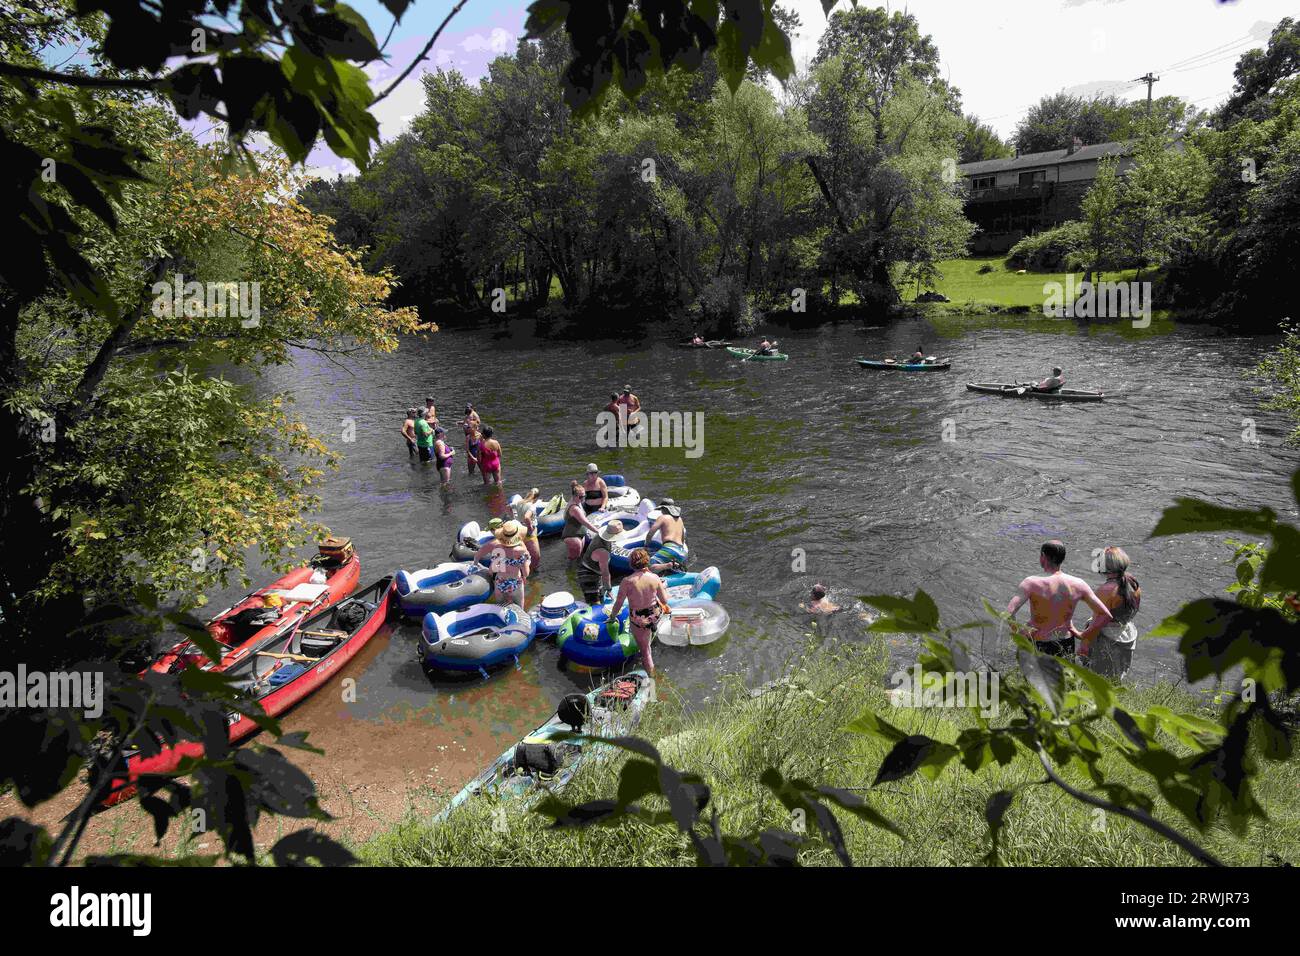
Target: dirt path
(400, 748)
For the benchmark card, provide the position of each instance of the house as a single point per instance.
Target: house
(1010, 198)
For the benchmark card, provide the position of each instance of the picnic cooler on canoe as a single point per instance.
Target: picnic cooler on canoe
(335, 550)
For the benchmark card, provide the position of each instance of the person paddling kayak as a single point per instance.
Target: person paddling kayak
(1053, 383)
(766, 348)
(1052, 598)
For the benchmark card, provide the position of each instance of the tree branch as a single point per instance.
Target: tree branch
(424, 54)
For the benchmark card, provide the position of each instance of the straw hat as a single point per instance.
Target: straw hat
(611, 530)
(510, 534)
(593, 468)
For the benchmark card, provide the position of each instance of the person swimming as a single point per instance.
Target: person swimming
(819, 603)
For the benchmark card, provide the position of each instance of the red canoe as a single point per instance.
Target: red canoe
(250, 622)
(280, 673)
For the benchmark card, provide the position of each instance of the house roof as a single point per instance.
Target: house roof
(1053, 157)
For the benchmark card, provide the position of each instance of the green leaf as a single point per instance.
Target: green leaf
(915, 753)
(1189, 516)
(1046, 676)
(869, 724)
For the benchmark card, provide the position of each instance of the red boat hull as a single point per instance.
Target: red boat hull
(342, 581)
(275, 703)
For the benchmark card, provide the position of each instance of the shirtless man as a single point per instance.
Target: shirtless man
(647, 601)
(1052, 599)
(1052, 383)
(671, 530)
(820, 603)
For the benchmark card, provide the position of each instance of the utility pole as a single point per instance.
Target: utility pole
(1150, 80)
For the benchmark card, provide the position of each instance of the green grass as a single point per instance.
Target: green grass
(797, 727)
(971, 290)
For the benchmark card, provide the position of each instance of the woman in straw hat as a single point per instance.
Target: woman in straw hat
(509, 563)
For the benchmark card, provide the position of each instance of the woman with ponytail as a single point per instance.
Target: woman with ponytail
(1112, 652)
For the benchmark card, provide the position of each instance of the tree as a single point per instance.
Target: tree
(978, 142)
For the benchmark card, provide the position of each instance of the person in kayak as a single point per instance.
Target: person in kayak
(527, 512)
(1111, 654)
(408, 430)
(576, 524)
(1052, 598)
(671, 530)
(443, 453)
(818, 602)
(596, 492)
(597, 552)
(489, 457)
(765, 347)
(1053, 383)
(631, 406)
(918, 357)
(696, 339)
(510, 564)
(647, 601)
(424, 438)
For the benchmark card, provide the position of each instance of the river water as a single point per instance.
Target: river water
(812, 470)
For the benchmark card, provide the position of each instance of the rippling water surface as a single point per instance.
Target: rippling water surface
(847, 464)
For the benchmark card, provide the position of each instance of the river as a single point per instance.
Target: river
(813, 463)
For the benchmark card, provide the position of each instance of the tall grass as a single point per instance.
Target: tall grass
(796, 726)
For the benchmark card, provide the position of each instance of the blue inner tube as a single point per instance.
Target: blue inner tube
(604, 650)
(475, 639)
(448, 587)
(550, 615)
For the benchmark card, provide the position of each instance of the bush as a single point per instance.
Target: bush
(725, 305)
(1047, 251)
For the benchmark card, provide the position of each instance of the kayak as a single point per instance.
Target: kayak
(711, 344)
(752, 356)
(540, 764)
(278, 674)
(327, 579)
(1016, 390)
(906, 366)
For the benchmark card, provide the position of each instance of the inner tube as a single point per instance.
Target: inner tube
(475, 639)
(555, 609)
(585, 640)
(686, 585)
(635, 529)
(448, 587)
(468, 540)
(694, 621)
(549, 514)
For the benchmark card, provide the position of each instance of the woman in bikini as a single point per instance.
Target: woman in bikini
(595, 491)
(510, 564)
(489, 457)
(1112, 652)
(647, 600)
(443, 453)
(576, 524)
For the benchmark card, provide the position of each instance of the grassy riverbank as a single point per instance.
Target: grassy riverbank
(797, 727)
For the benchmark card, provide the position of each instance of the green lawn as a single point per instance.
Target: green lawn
(963, 283)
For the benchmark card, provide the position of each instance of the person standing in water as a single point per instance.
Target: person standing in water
(1052, 598)
(1111, 653)
(430, 412)
(489, 457)
(471, 419)
(576, 524)
(408, 431)
(443, 453)
(671, 529)
(598, 552)
(631, 406)
(424, 439)
(614, 408)
(527, 512)
(510, 564)
(595, 489)
(647, 599)
(473, 442)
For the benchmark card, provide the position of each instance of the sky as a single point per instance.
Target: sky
(1004, 55)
